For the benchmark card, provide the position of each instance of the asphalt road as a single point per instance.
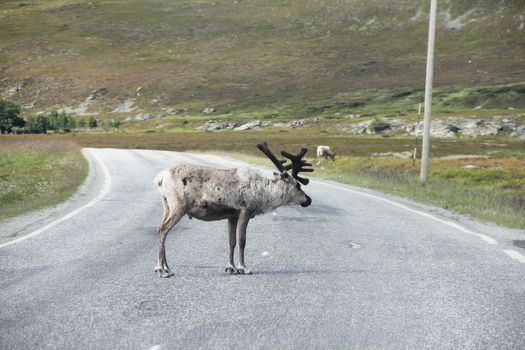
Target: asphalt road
(355, 270)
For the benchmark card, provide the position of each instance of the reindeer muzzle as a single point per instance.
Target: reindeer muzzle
(307, 203)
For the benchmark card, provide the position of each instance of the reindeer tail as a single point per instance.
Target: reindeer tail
(159, 179)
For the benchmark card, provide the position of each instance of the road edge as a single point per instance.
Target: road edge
(25, 226)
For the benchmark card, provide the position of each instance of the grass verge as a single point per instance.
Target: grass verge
(489, 189)
(36, 172)
(494, 190)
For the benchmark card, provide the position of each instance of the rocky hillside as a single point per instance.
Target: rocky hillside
(298, 57)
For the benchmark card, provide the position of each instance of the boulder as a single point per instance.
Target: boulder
(211, 125)
(249, 126)
(125, 107)
(442, 128)
(97, 93)
(478, 127)
(84, 106)
(297, 123)
(140, 117)
(519, 132)
(508, 124)
(403, 155)
(359, 128)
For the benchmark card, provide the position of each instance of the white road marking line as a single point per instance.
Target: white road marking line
(103, 192)
(515, 255)
(155, 347)
(264, 253)
(486, 238)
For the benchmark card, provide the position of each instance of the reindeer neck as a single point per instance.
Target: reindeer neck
(262, 193)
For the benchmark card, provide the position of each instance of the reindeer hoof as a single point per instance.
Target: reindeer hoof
(231, 269)
(243, 271)
(164, 272)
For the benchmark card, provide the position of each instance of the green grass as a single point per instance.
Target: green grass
(482, 99)
(493, 192)
(36, 172)
(342, 144)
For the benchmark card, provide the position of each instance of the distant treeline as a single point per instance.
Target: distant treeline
(55, 121)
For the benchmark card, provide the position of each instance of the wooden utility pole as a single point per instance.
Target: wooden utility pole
(428, 92)
(414, 155)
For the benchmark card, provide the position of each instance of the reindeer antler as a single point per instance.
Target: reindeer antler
(298, 164)
(277, 162)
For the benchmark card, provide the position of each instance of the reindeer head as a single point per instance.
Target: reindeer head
(292, 184)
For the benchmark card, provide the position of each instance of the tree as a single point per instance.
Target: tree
(54, 121)
(112, 123)
(38, 124)
(66, 122)
(92, 122)
(71, 123)
(9, 116)
(82, 123)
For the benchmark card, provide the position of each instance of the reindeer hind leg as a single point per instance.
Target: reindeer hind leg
(165, 211)
(174, 216)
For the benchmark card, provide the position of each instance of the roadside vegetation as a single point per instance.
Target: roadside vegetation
(343, 144)
(481, 177)
(36, 172)
(12, 121)
(488, 189)
(483, 187)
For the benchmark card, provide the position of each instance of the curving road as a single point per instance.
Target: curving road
(355, 270)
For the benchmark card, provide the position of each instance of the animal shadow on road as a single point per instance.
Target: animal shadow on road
(298, 272)
(275, 272)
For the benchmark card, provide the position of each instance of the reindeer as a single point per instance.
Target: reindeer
(235, 194)
(325, 152)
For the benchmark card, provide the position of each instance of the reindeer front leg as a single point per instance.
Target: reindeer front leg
(244, 217)
(232, 232)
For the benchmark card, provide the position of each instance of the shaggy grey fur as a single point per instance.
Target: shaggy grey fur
(325, 152)
(215, 194)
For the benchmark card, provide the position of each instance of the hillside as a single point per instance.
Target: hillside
(289, 57)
